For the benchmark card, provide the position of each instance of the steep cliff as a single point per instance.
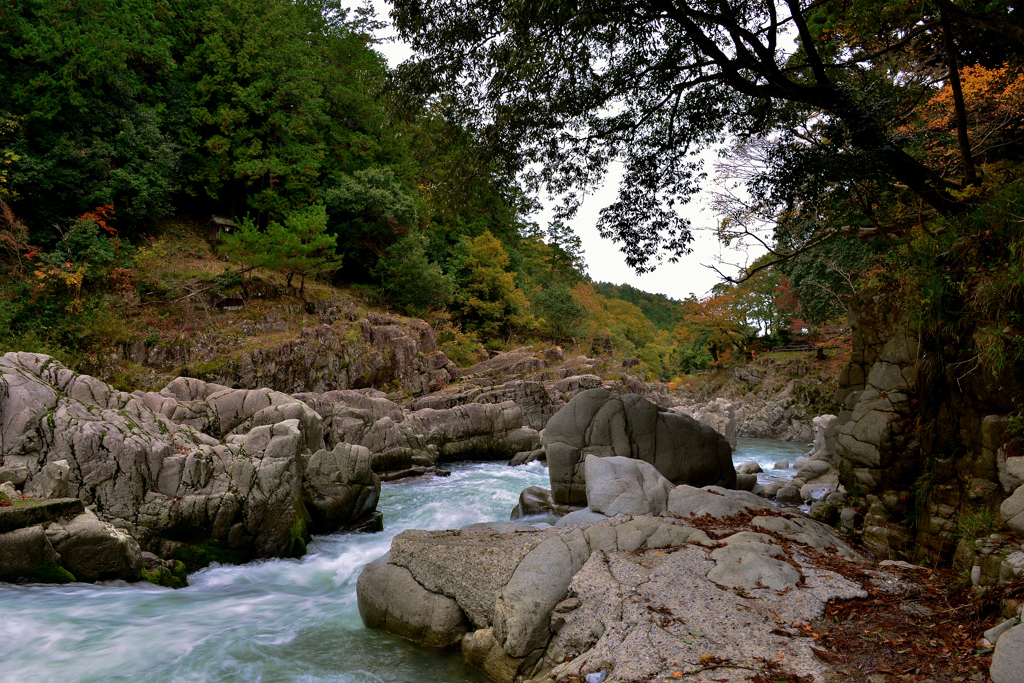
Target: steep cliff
(923, 438)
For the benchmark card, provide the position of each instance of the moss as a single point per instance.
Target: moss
(298, 535)
(200, 555)
(43, 573)
(169, 578)
(200, 369)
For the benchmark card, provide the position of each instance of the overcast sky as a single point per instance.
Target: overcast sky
(604, 261)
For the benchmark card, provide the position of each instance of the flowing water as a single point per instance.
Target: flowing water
(278, 620)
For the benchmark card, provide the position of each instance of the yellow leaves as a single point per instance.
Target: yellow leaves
(8, 125)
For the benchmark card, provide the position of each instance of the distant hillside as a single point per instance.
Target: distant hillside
(664, 312)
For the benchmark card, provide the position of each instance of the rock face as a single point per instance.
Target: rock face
(399, 440)
(341, 352)
(923, 437)
(196, 461)
(604, 424)
(772, 413)
(1008, 659)
(637, 597)
(720, 414)
(339, 487)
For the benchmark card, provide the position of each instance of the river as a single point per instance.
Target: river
(271, 621)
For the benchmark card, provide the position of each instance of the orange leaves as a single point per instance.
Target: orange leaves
(994, 100)
(101, 215)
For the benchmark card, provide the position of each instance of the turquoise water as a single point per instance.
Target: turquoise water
(766, 453)
(273, 621)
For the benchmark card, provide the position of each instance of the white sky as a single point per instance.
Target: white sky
(604, 260)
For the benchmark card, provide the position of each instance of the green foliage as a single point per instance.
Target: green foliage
(299, 246)
(202, 554)
(168, 577)
(661, 310)
(369, 210)
(489, 302)
(409, 280)
(560, 317)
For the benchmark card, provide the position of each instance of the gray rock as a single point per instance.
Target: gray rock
(95, 551)
(24, 550)
(826, 513)
(16, 474)
(526, 457)
(790, 495)
(523, 608)
(745, 482)
(536, 500)
(992, 635)
(850, 519)
(584, 516)
(770, 490)
(714, 501)
(799, 463)
(749, 467)
(339, 487)
(781, 465)
(816, 491)
(390, 599)
(750, 565)
(483, 651)
(196, 460)
(605, 424)
(720, 415)
(51, 481)
(1012, 511)
(624, 486)
(1008, 659)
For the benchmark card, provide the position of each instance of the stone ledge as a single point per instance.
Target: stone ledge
(21, 516)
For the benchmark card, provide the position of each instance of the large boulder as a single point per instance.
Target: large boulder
(624, 486)
(604, 424)
(633, 596)
(390, 599)
(95, 551)
(339, 487)
(537, 500)
(1008, 659)
(27, 555)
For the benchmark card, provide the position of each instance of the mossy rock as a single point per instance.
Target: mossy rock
(200, 555)
(169, 578)
(43, 573)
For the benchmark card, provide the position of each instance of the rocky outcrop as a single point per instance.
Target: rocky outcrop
(400, 440)
(340, 489)
(720, 414)
(766, 399)
(923, 441)
(635, 597)
(604, 424)
(341, 352)
(194, 462)
(59, 541)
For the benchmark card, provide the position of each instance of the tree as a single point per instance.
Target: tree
(84, 83)
(561, 89)
(409, 279)
(488, 299)
(560, 315)
(300, 246)
(259, 107)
